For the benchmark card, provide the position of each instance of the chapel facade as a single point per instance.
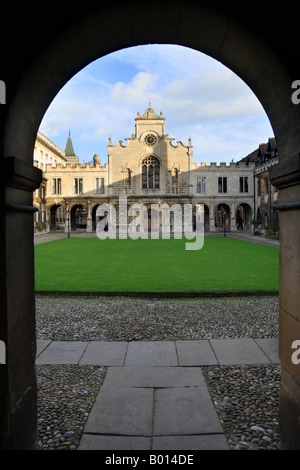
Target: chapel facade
(148, 168)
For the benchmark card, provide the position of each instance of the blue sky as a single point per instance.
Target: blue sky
(200, 98)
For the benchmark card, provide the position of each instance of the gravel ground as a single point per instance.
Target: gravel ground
(66, 394)
(131, 319)
(246, 397)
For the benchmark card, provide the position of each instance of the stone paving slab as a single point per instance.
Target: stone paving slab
(155, 377)
(105, 353)
(41, 344)
(151, 353)
(154, 395)
(122, 411)
(200, 442)
(160, 353)
(62, 352)
(270, 348)
(195, 353)
(97, 442)
(238, 351)
(181, 411)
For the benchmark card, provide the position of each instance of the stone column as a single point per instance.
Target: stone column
(68, 219)
(18, 391)
(286, 177)
(212, 227)
(48, 221)
(232, 227)
(89, 225)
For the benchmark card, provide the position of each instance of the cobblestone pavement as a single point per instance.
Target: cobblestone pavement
(244, 396)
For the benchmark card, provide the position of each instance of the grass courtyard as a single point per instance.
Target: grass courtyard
(223, 265)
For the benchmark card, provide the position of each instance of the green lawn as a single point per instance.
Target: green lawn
(92, 265)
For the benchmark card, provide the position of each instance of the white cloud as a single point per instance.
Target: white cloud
(132, 93)
(199, 97)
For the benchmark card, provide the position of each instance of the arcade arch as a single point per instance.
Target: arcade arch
(222, 214)
(243, 216)
(78, 217)
(57, 216)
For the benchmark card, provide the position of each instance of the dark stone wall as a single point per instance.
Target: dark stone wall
(42, 45)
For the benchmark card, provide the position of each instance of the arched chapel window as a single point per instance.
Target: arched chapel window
(150, 173)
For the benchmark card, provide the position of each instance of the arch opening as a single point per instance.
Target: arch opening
(243, 216)
(78, 217)
(222, 217)
(57, 217)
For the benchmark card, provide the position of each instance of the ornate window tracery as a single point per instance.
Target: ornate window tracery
(150, 173)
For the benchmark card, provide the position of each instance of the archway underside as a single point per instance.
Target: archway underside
(79, 44)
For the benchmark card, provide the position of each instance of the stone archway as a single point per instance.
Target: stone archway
(154, 220)
(95, 219)
(46, 65)
(57, 214)
(258, 218)
(266, 224)
(243, 216)
(206, 216)
(222, 217)
(78, 217)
